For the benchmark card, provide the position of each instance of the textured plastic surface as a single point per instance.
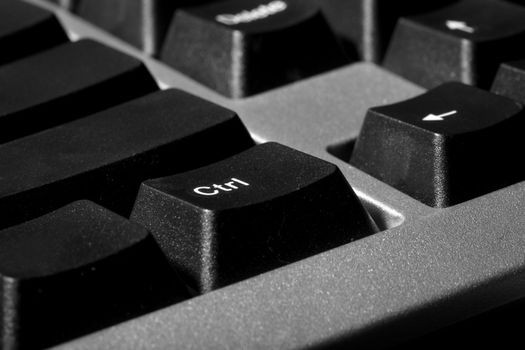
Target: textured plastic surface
(26, 29)
(241, 48)
(258, 210)
(142, 23)
(76, 270)
(464, 259)
(462, 42)
(105, 157)
(434, 147)
(65, 83)
(366, 25)
(509, 81)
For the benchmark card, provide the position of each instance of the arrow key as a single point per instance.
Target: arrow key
(463, 42)
(439, 117)
(509, 80)
(444, 147)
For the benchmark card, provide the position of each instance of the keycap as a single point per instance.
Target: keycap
(76, 270)
(509, 81)
(367, 25)
(261, 209)
(65, 83)
(70, 5)
(519, 2)
(142, 23)
(26, 29)
(464, 42)
(446, 146)
(105, 157)
(240, 48)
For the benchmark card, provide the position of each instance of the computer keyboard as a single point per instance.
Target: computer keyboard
(329, 201)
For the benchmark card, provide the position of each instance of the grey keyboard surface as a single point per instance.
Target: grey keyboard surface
(426, 268)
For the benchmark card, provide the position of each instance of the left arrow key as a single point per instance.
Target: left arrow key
(463, 151)
(439, 117)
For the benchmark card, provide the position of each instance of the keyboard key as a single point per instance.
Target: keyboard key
(240, 48)
(444, 147)
(519, 2)
(70, 5)
(264, 208)
(26, 29)
(142, 23)
(105, 157)
(510, 80)
(367, 25)
(65, 83)
(76, 270)
(464, 42)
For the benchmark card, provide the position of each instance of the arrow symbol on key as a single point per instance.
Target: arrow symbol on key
(438, 117)
(459, 25)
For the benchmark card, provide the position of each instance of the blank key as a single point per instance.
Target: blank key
(76, 270)
(142, 23)
(65, 83)
(367, 25)
(105, 157)
(26, 29)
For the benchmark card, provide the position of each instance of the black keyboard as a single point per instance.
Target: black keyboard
(255, 174)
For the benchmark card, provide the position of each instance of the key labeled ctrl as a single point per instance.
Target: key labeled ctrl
(215, 189)
(258, 210)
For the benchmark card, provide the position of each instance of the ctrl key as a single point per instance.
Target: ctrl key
(256, 211)
(76, 270)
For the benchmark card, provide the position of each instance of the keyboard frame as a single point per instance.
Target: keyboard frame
(427, 268)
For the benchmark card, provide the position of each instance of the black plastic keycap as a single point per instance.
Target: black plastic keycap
(463, 42)
(367, 25)
(76, 270)
(26, 29)
(240, 48)
(65, 83)
(105, 157)
(510, 80)
(142, 23)
(70, 5)
(261, 209)
(451, 144)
